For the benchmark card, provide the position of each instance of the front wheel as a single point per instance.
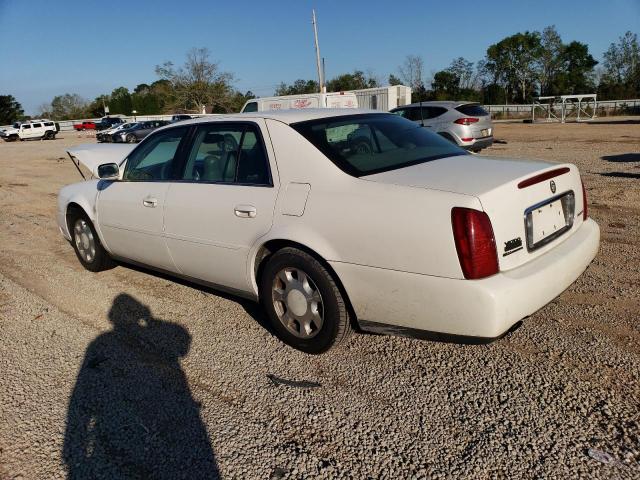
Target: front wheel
(87, 246)
(303, 302)
(131, 138)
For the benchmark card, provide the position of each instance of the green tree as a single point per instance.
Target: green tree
(120, 101)
(393, 80)
(298, 87)
(550, 60)
(513, 62)
(10, 110)
(68, 107)
(576, 74)
(198, 82)
(351, 81)
(445, 85)
(621, 77)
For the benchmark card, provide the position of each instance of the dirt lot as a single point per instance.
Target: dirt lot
(126, 374)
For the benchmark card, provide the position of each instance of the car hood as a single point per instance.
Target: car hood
(92, 155)
(465, 174)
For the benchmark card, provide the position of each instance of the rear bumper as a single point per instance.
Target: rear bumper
(478, 143)
(484, 309)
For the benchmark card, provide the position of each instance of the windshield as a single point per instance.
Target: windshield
(373, 143)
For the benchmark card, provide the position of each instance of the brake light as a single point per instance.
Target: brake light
(543, 176)
(466, 120)
(585, 213)
(475, 243)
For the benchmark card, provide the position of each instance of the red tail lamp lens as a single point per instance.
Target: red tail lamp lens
(475, 243)
(466, 121)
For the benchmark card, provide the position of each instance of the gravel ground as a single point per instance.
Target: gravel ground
(127, 374)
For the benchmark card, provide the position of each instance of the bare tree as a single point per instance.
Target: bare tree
(412, 72)
(198, 82)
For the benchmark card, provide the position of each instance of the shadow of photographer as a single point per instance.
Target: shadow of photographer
(131, 413)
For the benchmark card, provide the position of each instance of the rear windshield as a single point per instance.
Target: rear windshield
(472, 110)
(367, 144)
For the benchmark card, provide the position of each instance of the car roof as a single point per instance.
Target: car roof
(440, 103)
(284, 116)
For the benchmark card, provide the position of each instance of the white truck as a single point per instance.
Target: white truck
(309, 100)
(383, 98)
(42, 129)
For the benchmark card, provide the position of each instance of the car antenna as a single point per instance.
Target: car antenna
(421, 114)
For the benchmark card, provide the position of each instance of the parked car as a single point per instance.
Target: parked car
(310, 100)
(107, 135)
(42, 129)
(416, 236)
(180, 117)
(106, 123)
(137, 131)
(463, 123)
(87, 125)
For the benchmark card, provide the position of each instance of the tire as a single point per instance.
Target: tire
(49, 135)
(83, 237)
(317, 294)
(131, 138)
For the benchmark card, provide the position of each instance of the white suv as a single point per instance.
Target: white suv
(42, 129)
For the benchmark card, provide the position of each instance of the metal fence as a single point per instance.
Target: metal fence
(603, 108)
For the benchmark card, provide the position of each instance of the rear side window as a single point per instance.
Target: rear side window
(472, 109)
(228, 153)
(24, 127)
(251, 107)
(48, 124)
(436, 111)
(37, 125)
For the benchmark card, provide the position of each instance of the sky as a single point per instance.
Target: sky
(91, 47)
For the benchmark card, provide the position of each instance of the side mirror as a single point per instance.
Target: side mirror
(108, 171)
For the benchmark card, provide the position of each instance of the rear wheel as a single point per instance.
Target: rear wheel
(49, 135)
(87, 246)
(303, 302)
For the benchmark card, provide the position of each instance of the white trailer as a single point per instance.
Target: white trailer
(383, 98)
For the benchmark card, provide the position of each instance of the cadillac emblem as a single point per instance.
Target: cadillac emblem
(553, 186)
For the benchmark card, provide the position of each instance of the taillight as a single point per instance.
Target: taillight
(475, 243)
(466, 120)
(585, 213)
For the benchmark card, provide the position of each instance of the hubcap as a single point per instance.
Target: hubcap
(297, 302)
(85, 243)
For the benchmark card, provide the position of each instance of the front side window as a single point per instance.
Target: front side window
(228, 154)
(372, 143)
(26, 126)
(155, 158)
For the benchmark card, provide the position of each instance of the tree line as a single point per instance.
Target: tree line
(514, 70)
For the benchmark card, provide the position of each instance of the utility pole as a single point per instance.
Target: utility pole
(315, 34)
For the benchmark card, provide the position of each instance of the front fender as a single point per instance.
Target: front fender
(84, 195)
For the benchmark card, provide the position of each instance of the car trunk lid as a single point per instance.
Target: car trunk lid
(501, 186)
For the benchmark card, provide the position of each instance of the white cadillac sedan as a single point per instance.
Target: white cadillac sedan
(412, 235)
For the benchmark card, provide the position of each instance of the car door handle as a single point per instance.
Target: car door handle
(150, 202)
(245, 211)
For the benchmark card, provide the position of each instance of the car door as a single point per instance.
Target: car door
(224, 203)
(130, 211)
(27, 131)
